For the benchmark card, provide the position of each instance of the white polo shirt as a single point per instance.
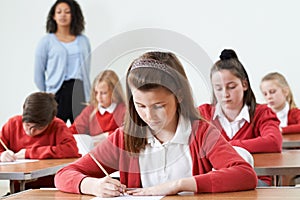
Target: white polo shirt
(169, 161)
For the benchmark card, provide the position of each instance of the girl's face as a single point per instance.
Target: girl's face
(228, 89)
(157, 108)
(274, 95)
(103, 94)
(32, 129)
(62, 14)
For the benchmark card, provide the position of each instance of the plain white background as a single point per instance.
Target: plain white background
(265, 34)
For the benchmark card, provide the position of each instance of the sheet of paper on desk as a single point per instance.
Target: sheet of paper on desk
(18, 161)
(126, 196)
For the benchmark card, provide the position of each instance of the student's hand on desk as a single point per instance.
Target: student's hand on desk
(102, 187)
(21, 154)
(168, 188)
(8, 156)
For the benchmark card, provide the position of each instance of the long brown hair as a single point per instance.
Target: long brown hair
(229, 61)
(154, 70)
(281, 82)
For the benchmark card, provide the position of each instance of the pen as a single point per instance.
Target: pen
(5, 147)
(99, 165)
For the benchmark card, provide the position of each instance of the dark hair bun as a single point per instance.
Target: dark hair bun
(228, 54)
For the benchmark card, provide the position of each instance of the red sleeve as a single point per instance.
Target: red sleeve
(82, 121)
(68, 179)
(56, 142)
(293, 122)
(263, 132)
(230, 171)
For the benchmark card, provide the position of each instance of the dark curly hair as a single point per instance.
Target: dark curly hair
(77, 23)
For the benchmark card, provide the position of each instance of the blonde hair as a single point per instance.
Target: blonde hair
(282, 82)
(112, 80)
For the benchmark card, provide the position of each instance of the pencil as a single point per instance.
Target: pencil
(5, 147)
(99, 165)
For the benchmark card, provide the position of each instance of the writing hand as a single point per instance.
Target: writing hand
(8, 156)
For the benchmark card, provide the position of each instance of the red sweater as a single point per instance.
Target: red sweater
(55, 142)
(293, 122)
(208, 150)
(262, 135)
(108, 122)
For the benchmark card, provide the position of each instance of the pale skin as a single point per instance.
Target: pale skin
(30, 129)
(229, 92)
(157, 107)
(274, 94)
(63, 20)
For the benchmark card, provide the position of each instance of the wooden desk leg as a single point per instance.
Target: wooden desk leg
(275, 180)
(12, 186)
(22, 185)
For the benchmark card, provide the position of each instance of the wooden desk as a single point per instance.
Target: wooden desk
(258, 194)
(32, 170)
(291, 141)
(286, 163)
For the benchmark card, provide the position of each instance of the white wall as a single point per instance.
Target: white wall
(265, 34)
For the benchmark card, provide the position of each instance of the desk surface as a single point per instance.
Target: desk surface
(284, 163)
(291, 140)
(32, 170)
(261, 193)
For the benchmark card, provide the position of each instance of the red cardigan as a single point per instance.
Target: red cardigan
(208, 150)
(108, 122)
(293, 122)
(262, 135)
(55, 142)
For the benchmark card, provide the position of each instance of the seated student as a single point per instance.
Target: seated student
(279, 98)
(106, 110)
(236, 114)
(165, 147)
(37, 134)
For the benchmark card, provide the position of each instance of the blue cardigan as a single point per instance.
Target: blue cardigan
(51, 61)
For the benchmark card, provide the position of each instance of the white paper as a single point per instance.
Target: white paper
(18, 161)
(126, 196)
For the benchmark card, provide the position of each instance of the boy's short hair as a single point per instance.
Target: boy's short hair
(39, 108)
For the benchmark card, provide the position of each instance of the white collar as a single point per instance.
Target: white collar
(244, 113)
(182, 134)
(284, 110)
(109, 109)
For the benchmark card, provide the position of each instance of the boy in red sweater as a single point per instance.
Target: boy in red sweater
(37, 134)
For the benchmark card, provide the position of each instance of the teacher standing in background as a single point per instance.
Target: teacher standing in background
(62, 59)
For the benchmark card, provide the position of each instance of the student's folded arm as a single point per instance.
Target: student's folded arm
(82, 121)
(267, 136)
(225, 169)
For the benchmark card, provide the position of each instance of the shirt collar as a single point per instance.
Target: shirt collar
(244, 113)
(284, 111)
(182, 134)
(109, 109)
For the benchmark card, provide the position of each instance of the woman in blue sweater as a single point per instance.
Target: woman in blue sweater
(62, 59)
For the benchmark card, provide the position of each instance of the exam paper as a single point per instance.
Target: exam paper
(18, 161)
